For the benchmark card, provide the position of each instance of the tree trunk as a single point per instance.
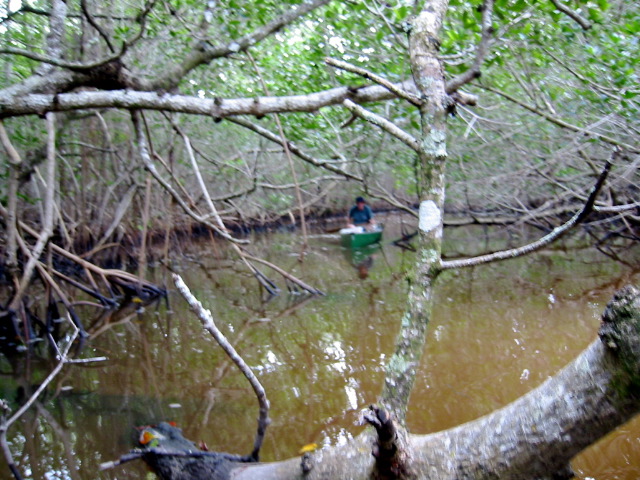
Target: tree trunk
(534, 437)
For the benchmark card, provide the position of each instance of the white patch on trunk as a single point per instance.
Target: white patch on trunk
(429, 216)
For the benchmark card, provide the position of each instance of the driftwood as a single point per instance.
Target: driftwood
(534, 437)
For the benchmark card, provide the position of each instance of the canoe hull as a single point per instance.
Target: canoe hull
(357, 240)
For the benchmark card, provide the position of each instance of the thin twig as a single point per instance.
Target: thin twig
(561, 123)
(5, 423)
(287, 152)
(207, 321)
(294, 149)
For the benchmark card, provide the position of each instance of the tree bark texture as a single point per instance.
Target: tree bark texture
(428, 76)
(534, 437)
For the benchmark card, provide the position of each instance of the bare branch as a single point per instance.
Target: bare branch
(207, 321)
(393, 88)
(575, 16)
(482, 50)
(562, 123)
(18, 100)
(542, 242)
(389, 127)
(294, 149)
(5, 423)
(144, 154)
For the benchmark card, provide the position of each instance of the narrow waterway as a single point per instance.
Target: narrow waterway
(498, 331)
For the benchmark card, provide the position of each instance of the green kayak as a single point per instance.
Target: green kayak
(356, 240)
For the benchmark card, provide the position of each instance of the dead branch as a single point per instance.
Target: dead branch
(207, 321)
(547, 239)
(286, 275)
(146, 158)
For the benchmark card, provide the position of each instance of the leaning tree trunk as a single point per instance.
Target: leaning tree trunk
(534, 437)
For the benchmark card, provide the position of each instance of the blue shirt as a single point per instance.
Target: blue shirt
(360, 216)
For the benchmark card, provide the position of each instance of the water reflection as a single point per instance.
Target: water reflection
(497, 332)
(362, 258)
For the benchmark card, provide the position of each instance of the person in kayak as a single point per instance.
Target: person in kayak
(361, 215)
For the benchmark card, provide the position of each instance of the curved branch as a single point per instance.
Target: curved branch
(575, 16)
(547, 239)
(94, 24)
(482, 50)
(207, 321)
(203, 52)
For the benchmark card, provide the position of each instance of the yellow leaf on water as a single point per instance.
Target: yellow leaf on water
(309, 447)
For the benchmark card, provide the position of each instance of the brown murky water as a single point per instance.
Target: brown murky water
(498, 331)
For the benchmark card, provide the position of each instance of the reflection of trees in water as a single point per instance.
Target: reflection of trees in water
(171, 365)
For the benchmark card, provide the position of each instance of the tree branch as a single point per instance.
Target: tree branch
(203, 52)
(561, 123)
(389, 127)
(207, 321)
(94, 24)
(547, 239)
(393, 88)
(47, 218)
(146, 159)
(575, 16)
(294, 149)
(18, 100)
(482, 50)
